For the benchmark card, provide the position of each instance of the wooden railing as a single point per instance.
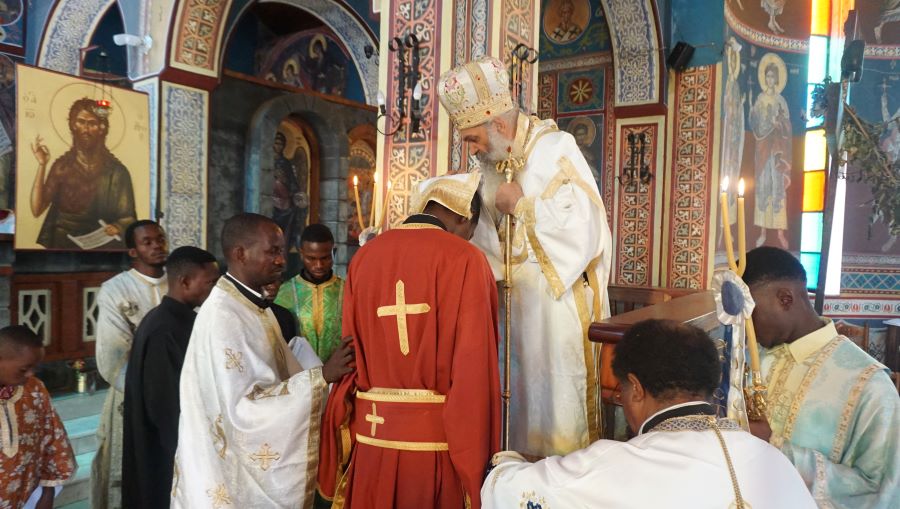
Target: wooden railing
(61, 308)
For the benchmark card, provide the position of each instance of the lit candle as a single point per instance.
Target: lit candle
(372, 200)
(384, 210)
(742, 230)
(358, 209)
(729, 253)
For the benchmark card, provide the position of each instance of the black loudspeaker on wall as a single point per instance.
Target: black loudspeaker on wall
(680, 56)
(852, 61)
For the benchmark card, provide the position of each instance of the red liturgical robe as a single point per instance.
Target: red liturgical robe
(420, 418)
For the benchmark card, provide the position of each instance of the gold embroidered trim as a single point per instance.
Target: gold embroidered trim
(318, 302)
(416, 226)
(401, 395)
(452, 194)
(340, 491)
(547, 126)
(318, 388)
(402, 446)
(346, 445)
(590, 396)
(279, 389)
(808, 379)
(568, 174)
(695, 423)
(479, 81)
(819, 493)
(547, 267)
(837, 447)
(10, 447)
(481, 113)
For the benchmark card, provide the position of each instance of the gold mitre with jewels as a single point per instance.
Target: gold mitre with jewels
(472, 93)
(452, 191)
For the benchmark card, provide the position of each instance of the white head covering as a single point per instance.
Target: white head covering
(452, 191)
(475, 92)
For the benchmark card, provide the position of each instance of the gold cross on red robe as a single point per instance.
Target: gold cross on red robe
(400, 309)
(374, 418)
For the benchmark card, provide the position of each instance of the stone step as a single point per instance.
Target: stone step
(81, 504)
(83, 433)
(78, 488)
(75, 405)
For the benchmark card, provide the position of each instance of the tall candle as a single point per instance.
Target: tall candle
(384, 210)
(742, 229)
(752, 346)
(358, 209)
(729, 253)
(372, 200)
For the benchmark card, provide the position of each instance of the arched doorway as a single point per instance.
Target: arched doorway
(295, 168)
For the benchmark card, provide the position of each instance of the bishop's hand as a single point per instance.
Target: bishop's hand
(341, 361)
(508, 195)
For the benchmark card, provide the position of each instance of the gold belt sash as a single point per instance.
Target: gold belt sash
(402, 419)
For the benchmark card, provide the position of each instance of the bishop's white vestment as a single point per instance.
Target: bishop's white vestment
(562, 253)
(122, 303)
(678, 463)
(248, 436)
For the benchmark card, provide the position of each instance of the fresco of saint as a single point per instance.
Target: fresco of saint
(770, 121)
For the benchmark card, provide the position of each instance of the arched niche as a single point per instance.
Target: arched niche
(339, 18)
(328, 125)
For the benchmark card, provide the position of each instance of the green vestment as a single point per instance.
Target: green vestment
(318, 311)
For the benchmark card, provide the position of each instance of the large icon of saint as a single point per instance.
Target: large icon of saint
(83, 162)
(87, 190)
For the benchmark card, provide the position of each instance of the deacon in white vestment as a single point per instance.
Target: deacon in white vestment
(562, 255)
(122, 303)
(682, 457)
(251, 406)
(831, 408)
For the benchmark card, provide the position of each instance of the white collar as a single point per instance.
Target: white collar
(238, 281)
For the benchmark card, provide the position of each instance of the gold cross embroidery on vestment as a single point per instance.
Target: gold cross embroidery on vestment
(265, 457)
(400, 309)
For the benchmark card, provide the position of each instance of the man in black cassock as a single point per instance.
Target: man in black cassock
(151, 407)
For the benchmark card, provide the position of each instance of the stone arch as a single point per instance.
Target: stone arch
(334, 158)
(69, 28)
(351, 31)
(637, 51)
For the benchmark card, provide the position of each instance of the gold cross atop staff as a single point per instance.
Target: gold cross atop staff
(374, 418)
(400, 309)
